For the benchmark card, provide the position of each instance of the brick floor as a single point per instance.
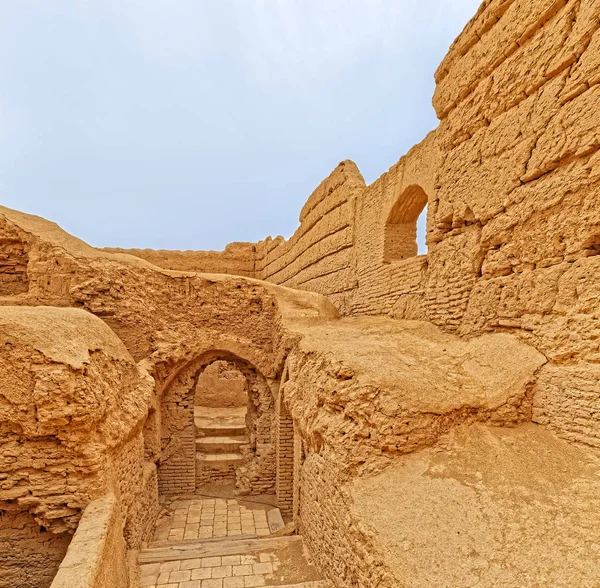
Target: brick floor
(216, 522)
(203, 518)
(212, 572)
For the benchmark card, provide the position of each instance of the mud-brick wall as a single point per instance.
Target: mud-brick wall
(394, 288)
(236, 259)
(257, 474)
(29, 554)
(136, 483)
(285, 458)
(177, 465)
(97, 555)
(332, 536)
(516, 220)
(13, 267)
(319, 256)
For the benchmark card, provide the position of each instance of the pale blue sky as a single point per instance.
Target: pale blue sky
(187, 124)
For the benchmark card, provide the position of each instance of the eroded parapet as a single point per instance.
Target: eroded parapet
(236, 259)
(97, 555)
(319, 255)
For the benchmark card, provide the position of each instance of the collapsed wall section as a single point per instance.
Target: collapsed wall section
(13, 267)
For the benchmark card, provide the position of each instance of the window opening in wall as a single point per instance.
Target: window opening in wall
(400, 239)
(422, 232)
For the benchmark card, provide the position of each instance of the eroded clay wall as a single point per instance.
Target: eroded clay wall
(29, 554)
(319, 256)
(516, 214)
(512, 178)
(236, 258)
(74, 403)
(13, 267)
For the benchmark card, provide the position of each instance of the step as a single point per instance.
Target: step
(227, 546)
(216, 460)
(210, 428)
(177, 550)
(220, 445)
(193, 543)
(311, 584)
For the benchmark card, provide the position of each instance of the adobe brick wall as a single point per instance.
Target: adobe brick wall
(236, 259)
(29, 554)
(285, 458)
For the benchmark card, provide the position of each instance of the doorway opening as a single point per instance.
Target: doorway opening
(220, 415)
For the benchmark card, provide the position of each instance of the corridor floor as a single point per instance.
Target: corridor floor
(203, 518)
(223, 543)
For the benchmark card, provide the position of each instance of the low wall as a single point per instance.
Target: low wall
(97, 555)
(236, 259)
(319, 257)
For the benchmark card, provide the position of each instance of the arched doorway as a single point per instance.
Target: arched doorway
(217, 427)
(220, 414)
(400, 233)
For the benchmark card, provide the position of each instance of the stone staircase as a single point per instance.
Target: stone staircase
(220, 433)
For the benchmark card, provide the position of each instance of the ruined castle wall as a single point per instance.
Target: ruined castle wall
(319, 256)
(515, 218)
(394, 285)
(512, 182)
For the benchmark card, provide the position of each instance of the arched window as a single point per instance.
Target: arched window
(400, 239)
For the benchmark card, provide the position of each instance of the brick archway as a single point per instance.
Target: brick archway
(177, 464)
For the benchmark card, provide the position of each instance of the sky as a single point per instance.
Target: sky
(188, 124)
